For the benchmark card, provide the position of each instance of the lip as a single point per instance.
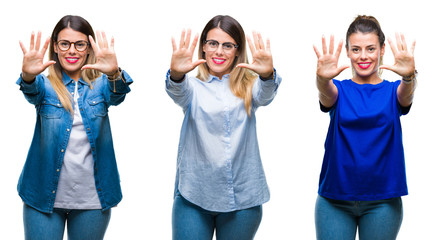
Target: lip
(364, 65)
(71, 59)
(219, 60)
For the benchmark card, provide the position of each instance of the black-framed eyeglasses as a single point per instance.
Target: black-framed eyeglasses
(213, 45)
(65, 45)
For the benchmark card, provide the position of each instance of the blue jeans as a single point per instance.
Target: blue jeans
(190, 221)
(82, 224)
(376, 220)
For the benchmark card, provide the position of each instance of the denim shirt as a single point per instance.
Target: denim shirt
(219, 166)
(39, 178)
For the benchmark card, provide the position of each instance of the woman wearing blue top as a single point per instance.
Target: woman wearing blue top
(70, 174)
(220, 182)
(363, 173)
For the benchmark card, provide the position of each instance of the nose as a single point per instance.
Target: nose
(219, 49)
(72, 48)
(363, 55)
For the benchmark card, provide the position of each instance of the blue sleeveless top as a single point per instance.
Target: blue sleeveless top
(364, 154)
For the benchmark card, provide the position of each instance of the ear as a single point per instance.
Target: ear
(383, 49)
(348, 53)
(54, 47)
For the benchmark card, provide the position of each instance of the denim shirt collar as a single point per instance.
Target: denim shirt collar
(67, 80)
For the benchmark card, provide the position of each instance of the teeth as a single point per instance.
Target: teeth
(219, 60)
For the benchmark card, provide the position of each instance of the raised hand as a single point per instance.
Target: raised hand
(182, 57)
(262, 62)
(404, 59)
(106, 61)
(327, 67)
(33, 59)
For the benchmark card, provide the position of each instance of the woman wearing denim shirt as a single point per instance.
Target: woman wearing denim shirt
(220, 181)
(70, 173)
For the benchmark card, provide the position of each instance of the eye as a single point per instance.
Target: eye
(81, 44)
(371, 49)
(213, 43)
(228, 46)
(355, 50)
(64, 44)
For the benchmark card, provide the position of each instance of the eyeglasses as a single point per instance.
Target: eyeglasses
(65, 45)
(213, 45)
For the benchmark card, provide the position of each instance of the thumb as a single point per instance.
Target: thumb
(198, 62)
(89, 66)
(342, 68)
(49, 63)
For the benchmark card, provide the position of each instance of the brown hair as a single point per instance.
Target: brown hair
(55, 72)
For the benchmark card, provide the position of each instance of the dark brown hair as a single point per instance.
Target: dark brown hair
(366, 24)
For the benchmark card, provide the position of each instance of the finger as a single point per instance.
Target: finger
(173, 44)
(49, 63)
(268, 45)
(38, 41)
(339, 49)
(187, 40)
(256, 40)
(99, 40)
(387, 67)
(112, 43)
(260, 41)
(252, 48)
(342, 68)
(23, 48)
(318, 54)
(198, 62)
(404, 44)
(181, 41)
(245, 65)
(32, 41)
(332, 44)
(413, 46)
(104, 39)
(93, 44)
(324, 45)
(398, 42)
(45, 47)
(392, 46)
(194, 43)
(90, 66)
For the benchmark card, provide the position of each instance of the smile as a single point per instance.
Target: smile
(364, 65)
(71, 59)
(219, 60)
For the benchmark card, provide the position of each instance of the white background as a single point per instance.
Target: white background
(146, 126)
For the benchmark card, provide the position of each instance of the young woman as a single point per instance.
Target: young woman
(220, 182)
(363, 173)
(70, 174)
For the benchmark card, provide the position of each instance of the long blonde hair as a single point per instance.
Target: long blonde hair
(241, 79)
(55, 72)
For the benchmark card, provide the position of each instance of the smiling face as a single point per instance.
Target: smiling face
(71, 60)
(365, 53)
(219, 61)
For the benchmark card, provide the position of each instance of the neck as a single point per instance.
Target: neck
(372, 79)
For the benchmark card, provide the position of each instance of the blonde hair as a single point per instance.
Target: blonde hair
(241, 79)
(55, 72)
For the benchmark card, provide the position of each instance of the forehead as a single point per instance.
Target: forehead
(219, 35)
(363, 39)
(71, 35)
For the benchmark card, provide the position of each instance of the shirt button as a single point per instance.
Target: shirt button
(58, 170)
(62, 150)
(67, 130)
(93, 102)
(54, 192)
(88, 129)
